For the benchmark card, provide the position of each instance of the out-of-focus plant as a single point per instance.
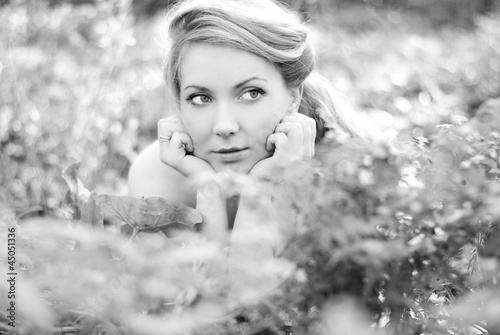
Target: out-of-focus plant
(69, 93)
(397, 237)
(403, 241)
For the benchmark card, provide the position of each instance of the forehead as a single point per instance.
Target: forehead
(216, 65)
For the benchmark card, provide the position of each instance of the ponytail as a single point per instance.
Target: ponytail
(331, 111)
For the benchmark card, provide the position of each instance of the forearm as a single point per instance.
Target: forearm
(256, 237)
(211, 204)
(255, 233)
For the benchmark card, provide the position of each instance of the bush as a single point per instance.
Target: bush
(400, 236)
(408, 242)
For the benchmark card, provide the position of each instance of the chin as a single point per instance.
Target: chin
(239, 168)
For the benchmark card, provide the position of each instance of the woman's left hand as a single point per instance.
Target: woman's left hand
(293, 140)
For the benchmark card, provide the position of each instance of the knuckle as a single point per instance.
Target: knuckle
(296, 127)
(161, 123)
(173, 118)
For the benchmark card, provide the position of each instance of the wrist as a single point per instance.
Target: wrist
(211, 204)
(268, 169)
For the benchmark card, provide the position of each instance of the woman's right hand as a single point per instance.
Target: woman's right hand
(178, 151)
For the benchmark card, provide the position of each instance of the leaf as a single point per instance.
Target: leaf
(478, 306)
(4, 327)
(77, 193)
(74, 183)
(101, 328)
(70, 206)
(148, 215)
(3, 318)
(491, 247)
(91, 213)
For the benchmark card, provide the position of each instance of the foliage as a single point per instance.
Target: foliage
(439, 11)
(393, 244)
(67, 83)
(397, 236)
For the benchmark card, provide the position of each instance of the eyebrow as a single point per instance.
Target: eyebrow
(237, 86)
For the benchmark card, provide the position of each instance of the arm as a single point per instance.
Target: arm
(211, 204)
(176, 155)
(255, 233)
(260, 226)
(149, 177)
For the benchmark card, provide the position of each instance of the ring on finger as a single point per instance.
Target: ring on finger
(163, 138)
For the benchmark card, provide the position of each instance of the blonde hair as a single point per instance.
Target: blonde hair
(264, 28)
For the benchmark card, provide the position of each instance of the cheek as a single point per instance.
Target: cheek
(267, 123)
(195, 127)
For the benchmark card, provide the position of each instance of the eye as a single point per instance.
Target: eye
(199, 99)
(251, 95)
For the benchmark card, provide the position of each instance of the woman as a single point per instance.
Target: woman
(244, 99)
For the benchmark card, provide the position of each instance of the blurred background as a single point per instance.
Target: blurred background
(81, 80)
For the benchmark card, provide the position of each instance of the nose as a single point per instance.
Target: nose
(225, 122)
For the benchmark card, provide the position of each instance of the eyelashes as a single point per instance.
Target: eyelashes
(198, 99)
(252, 94)
(249, 95)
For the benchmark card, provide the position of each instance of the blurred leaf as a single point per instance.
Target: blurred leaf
(77, 194)
(265, 330)
(3, 318)
(479, 306)
(70, 206)
(35, 310)
(148, 215)
(491, 247)
(344, 315)
(94, 326)
(91, 213)
(74, 183)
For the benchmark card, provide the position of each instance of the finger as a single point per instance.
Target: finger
(179, 144)
(309, 128)
(166, 128)
(174, 119)
(167, 151)
(309, 131)
(293, 118)
(275, 141)
(171, 120)
(294, 132)
(173, 151)
(312, 125)
(185, 141)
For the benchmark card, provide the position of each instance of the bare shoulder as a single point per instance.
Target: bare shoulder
(149, 177)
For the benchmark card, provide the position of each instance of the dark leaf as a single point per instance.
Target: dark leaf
(4, 327)
(126, 230)
(91, 213)
(95, 326)
(147, 215)
(70, 206)
(3, 318)
(106, 328)
(491, 247)
(77, 194)
(264, 330)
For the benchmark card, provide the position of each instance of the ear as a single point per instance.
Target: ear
(296, 97)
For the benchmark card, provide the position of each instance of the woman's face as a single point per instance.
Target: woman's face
(231, 101)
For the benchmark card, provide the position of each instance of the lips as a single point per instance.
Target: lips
(229, 150)
(231, 155)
